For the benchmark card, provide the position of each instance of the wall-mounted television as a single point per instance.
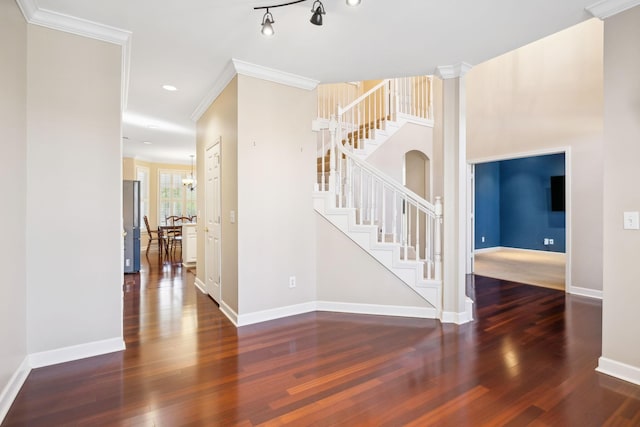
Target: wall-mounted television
(557, 194)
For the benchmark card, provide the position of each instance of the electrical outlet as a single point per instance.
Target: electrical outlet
(482, 239)
(551, 241)
(292, 281)
(127, 262)
(546, 241)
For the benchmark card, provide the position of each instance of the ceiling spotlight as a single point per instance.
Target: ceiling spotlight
(353, 2)
(318, 11)
(267, 27)
(316, 18)
(170, 88)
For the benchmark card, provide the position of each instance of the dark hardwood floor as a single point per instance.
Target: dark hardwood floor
(529, 359)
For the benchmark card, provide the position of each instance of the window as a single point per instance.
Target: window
(142, 175)
(174, 199)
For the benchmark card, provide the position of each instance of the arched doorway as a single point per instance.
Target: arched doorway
(417, 173)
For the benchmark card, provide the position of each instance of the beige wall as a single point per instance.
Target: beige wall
(621, 317)
(74, 291)
(389, 158)
(221, 121)
(128, 169)
(347, 274)
(544, 96)
(276, 175)
(13, 165)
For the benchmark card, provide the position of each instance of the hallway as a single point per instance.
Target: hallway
(530, 358)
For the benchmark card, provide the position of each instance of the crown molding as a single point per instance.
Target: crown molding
(276, 76)
(453, 71)
(70, 24)
(607, 8)
(224, 78)
(235, 66)
(82, 27)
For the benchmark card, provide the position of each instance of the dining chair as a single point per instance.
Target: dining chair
(175, 233)
(150, 233)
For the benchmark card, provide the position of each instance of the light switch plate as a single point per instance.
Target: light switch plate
(232, 217)
(632, 221)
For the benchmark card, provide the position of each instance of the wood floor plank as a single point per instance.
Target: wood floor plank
(527, 359)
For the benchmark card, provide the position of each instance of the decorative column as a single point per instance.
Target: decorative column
(454, 301)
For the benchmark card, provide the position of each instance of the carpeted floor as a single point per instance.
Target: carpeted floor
(539, 268)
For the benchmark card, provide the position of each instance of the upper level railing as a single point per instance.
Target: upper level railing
(363, 113)
(407, 95)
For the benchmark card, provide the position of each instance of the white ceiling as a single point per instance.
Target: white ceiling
(188, 44)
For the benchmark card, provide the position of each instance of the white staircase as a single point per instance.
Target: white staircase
(397, 227)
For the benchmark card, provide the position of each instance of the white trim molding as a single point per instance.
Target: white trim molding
(10, 391)
(275, 313)
(331, 306)
(75, 352)
(276, 76)
(585, 292)
(221, 82)
(619, 370)
(82, 27)
(607, 8)
(453, 71)
(200, 285)
(459, 318)
(230, 313)
(236, 66)
(376, 309)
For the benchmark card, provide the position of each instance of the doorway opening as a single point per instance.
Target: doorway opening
(521, 221)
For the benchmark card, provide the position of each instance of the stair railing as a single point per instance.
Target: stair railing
(400, 215)
(368, 112)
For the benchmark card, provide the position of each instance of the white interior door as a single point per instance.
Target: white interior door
(212, 231)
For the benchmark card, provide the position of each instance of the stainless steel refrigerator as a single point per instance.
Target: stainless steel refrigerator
(131, 224)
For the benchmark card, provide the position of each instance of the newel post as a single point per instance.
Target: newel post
(438, 240)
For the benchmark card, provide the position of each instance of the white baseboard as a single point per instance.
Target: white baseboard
(585, 292)
(377, 310)
(619, 370)
(200, 285)
(230, 313)
(487, 250)
(338, 307)
(75, 352)
(12, 388)
(501, 248)
(275, 313)
(459, 318)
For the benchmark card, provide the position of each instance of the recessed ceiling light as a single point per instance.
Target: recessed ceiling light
(170, 88)
(146, 142)
(152, 126)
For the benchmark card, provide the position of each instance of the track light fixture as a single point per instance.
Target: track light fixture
(318, 11)
(267, 20)
(316, 17)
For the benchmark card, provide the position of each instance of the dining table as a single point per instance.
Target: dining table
(165, 233)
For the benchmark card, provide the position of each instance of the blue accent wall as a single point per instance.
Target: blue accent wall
(522, 190)
(487, 214)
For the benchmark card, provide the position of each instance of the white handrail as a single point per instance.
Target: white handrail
(361, 98)
(390, 182)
